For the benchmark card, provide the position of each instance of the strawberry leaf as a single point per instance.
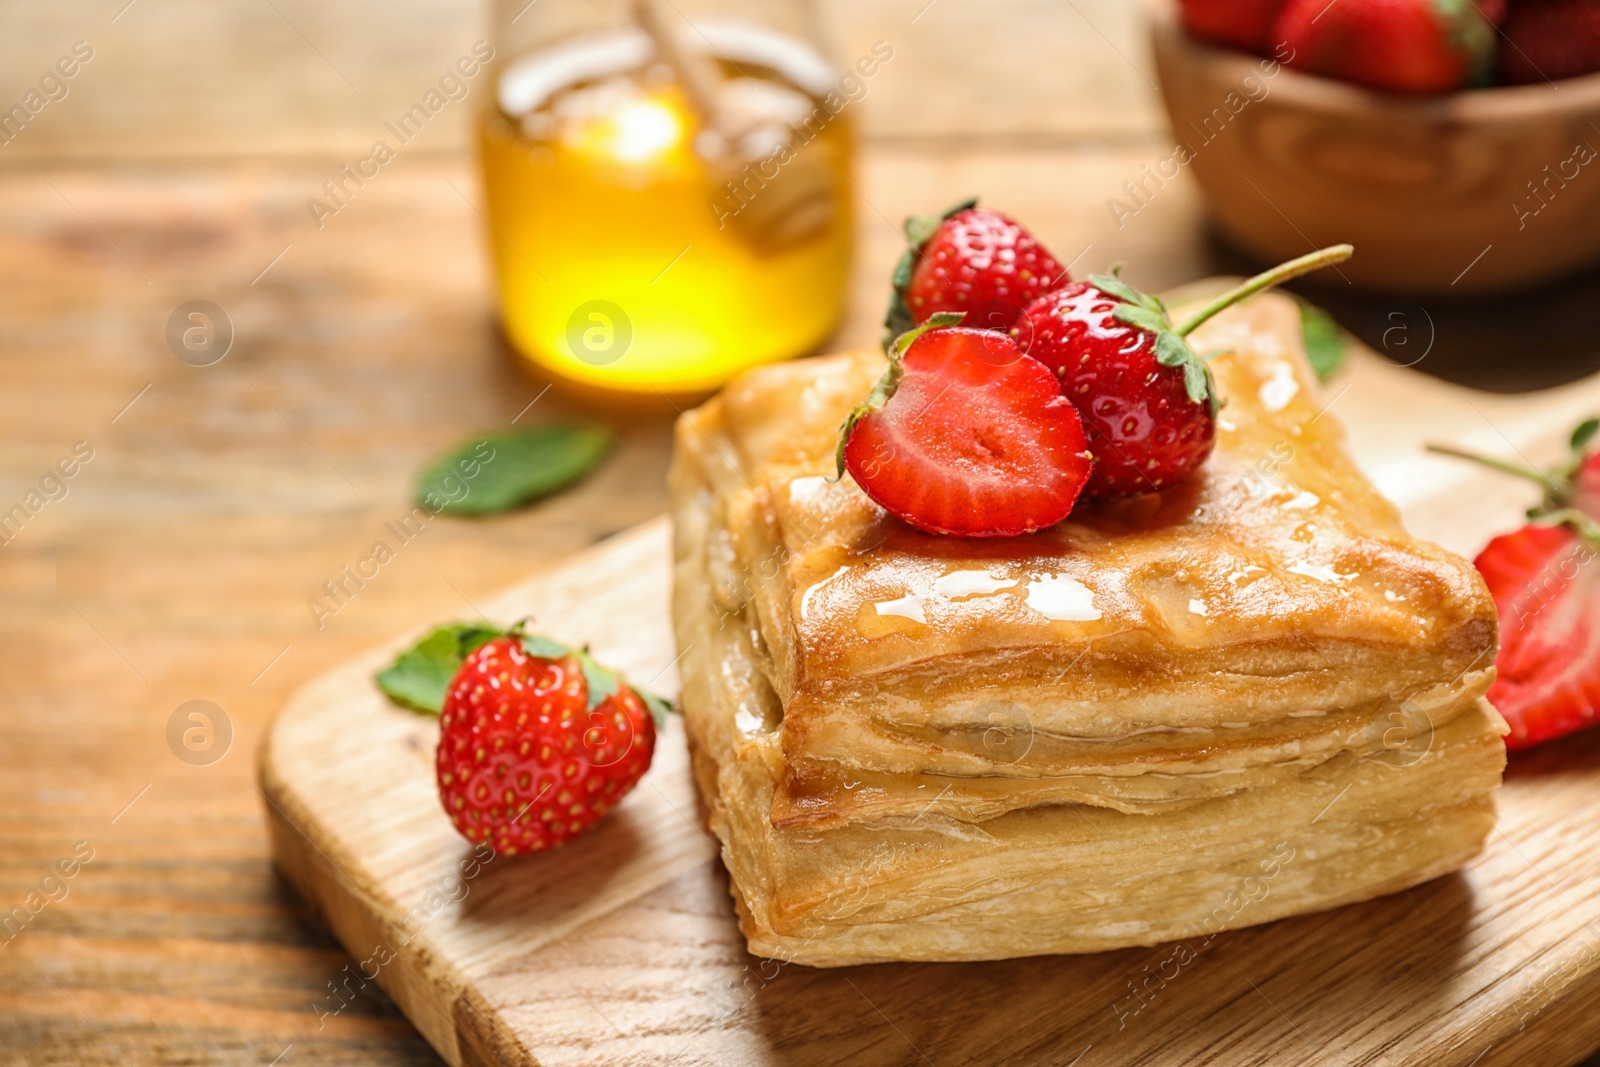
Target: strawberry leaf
(543, 647)
(1172, 350)
(659, 707)
(1148, 313)
(885, 386)
(1112, 283)
(602, 682)
(1142, 317)
(1197, 382)
(421, 675)
(919, 230)
(1584, 433)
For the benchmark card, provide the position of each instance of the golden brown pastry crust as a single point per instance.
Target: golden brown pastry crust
(1276, 581)
(1204, 664)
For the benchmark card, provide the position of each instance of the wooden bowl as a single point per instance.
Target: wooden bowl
(1480, 191)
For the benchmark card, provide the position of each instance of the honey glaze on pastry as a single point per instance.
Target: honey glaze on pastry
(1076, 705)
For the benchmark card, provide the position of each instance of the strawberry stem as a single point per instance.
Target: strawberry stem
(1283, 272)
(1504, 466)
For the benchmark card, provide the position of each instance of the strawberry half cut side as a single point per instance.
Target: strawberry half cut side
(965, 435)
(1546, 588)
(1545, 581)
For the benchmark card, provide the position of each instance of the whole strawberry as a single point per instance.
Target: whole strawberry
(1550, 39)
(1147, 399)
(1398, 46)
(536, 740)
(969, 261)
(536, 743)
(1148, 423)
(1243, 24)
(1545, 580)
(966, 435)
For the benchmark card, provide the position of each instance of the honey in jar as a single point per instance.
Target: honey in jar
(641, 246)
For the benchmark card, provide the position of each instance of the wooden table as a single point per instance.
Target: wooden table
(218, 499)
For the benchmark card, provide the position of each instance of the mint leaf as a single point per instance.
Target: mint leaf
(420, 676)
(1326, 342)
(499, 471)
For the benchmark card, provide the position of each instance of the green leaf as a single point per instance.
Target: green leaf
(659, 708)
(1142, 317)
(918, 229)
(601, 682)
(499, 471)
(543, 647)
(1112, 283)
(939, 320)
(1584, 433)
(420, 676)
(1173, 351)
(1149, 313)
(1326, 342)
(1196, 382)
(1573, 519)
(899, 318)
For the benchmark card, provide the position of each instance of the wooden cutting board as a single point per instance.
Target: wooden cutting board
(622, 948)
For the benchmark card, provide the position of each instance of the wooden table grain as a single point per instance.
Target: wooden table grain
(176, 563)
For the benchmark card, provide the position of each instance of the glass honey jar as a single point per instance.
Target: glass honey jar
(667, 188)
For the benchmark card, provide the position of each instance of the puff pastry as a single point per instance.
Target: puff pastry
(914, 747)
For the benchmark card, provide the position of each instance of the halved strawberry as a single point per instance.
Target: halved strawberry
(965, 435)
(1546, 589)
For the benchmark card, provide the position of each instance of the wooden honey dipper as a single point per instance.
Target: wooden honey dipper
(793, 205)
